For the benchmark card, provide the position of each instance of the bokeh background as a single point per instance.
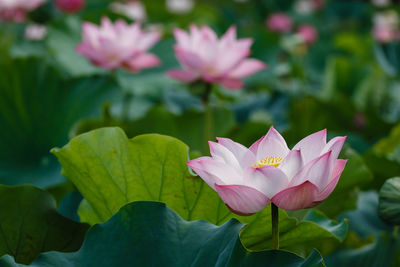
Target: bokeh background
(347, 80)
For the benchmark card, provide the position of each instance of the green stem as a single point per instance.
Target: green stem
(275, 226)
(395, 231)
(126, 103)
(208, 119)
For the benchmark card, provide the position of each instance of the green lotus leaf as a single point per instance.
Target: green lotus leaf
(389, 201)
(151, 234)
(30, 224)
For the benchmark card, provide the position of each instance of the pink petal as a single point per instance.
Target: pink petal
(312, 145)
(318, 171)
(148, 40)
(183, 75)
(182, 38)
(335, 145)
(229, 58)
(297, 197)
(242, 200)
(230, 35)
(268, 180)
(107, 24)
(189, 59)
(237, 149)
(214, 171)
(292, 163)
(89, 32)
(271, 145)
(208, 33)
(232, 84)
(221, 153)
(247, 68)
(337, 171)
(143, 61)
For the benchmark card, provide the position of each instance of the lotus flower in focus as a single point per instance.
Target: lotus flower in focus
(119, 45)
(206, 57)
(279, 22)
(15, 10)
(70, 6)
(308, 33)
(248, 179)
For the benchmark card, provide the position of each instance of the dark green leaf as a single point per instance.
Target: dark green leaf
(30, 224)
(389, 201)
(150, 234)
(37, 109)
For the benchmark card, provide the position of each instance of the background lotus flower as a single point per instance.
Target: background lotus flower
(279, 22)
(247, 180)
(308, 33)
(35, 32)
(180, 6)
(204, 56)
(15, 10)
(70, 6)
(386, 27)
(112, 46)
(134, 10)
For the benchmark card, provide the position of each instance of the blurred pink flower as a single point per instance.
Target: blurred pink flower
(15, 10)
(180, 6)
(35, 32)
(248, 179)
(132, 9)
(70, 6)
(386, 34)
(279, 22)
(308, 33)
(306, 7)
(204, 56)
(317, 4)
(119, 45)
(386, 26)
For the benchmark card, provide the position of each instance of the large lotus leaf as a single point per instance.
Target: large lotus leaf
(151, 234)
(38, 106)
(385, 248)
(389, 201)
(111, 170)
(30, 224)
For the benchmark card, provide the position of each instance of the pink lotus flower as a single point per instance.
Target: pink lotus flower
(112, 46)
(70, 6)
(35, 32)
(15, 10)
(248, 179)
(308, 33)
(279, 22)
(205, 57)
(386, 34)
(134, 10)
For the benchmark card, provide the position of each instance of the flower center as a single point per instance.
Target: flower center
(268, 161)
